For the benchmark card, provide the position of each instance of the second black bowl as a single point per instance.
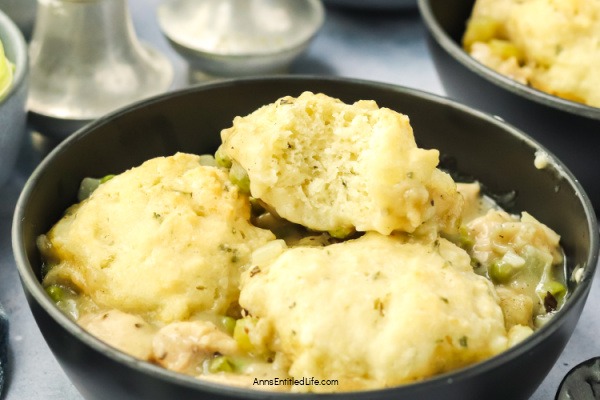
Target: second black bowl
(570, 130)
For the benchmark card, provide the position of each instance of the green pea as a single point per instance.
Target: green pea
(500, 271)
(228, 324)
(56, 293)
(341, 232)
(465, 240)
(222, 159)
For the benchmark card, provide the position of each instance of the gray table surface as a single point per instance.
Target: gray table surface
(387, 47)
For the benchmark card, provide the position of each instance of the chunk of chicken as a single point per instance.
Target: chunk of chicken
(184, 346)
(126, 332)
(517, 307)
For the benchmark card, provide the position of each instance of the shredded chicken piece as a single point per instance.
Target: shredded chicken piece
(184, 346)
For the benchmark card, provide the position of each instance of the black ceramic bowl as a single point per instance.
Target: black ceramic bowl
(570, 130)
(472, 143)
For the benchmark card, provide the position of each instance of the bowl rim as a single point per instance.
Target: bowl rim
(15, 46)
(34, 287)
(496, 78)
(317, 10)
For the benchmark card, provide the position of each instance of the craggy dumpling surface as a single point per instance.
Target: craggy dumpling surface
(163, 240)
(372, 312)
(336, 167)
(553, 45)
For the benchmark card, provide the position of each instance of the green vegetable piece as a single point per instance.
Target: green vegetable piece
(222, 159)
(555, 288)
(500, 271)
(56, 293)
(464, 240)
(239, 177)
(6, 73)
(220, 364)
(240, 334)
(64, 298)
(228, 324)
(87, 187)
(106, 178)
(341, 232)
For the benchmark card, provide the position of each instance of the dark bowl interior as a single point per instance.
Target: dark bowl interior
(472, 144)
(570, 130)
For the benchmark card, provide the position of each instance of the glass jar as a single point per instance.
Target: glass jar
(86, 61)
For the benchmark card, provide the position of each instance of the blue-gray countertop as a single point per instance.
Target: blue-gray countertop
(385, 46)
